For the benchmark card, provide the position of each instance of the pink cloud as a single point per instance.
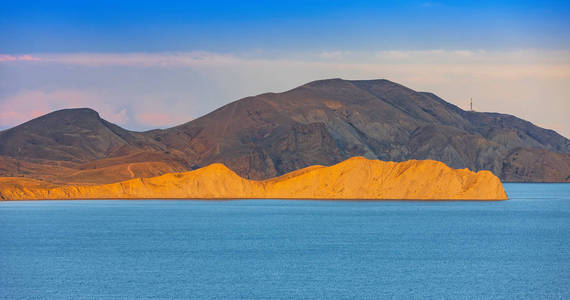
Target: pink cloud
(153, 119)
(25, 57)
(26, 105)
(14, 117)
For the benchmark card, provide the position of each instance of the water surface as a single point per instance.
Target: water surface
(514, 249)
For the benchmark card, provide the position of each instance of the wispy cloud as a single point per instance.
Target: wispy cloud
(29, 104)
(165, 89)
(25, 57)
(333, 54)
(161, 119)
(168, 59)
(502, 64)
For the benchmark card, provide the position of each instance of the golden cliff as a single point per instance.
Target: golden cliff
(355, 178)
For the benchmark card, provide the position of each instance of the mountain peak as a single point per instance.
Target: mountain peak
(325, 82)
(366, 85)
(79, 112)
(76, 134)
(64, 116)
(336, 81)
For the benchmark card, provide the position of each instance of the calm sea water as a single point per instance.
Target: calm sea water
(289, 249)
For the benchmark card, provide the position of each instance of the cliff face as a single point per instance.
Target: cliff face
(355, 178)
(320, 123)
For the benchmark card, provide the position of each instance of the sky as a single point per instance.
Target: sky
(156, 64)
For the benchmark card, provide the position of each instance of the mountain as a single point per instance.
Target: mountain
(72, 135)
(326, 121)
(322, 122)
(77, 146)
(354, 178)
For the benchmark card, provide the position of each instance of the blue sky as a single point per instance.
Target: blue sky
(230, 26)
(148, 64)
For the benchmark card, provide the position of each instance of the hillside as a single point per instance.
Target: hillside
(320, 123)
(355, 178)
(327, 121)
(77, 146)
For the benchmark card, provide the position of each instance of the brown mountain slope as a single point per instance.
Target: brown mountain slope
(355, 178)
(320, 123)
(523, 164)
(326, 121)
(77, 146)
(73, 135)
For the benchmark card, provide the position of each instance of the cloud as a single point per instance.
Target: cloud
(168, 59)
(160, 119)
(25, 57)
(29, 104)
(472, 57)
(332, 54)
(499, 64)
(166, 89)
(154, 119)
(139, 112)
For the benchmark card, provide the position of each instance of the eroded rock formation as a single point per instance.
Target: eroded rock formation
(355, 178)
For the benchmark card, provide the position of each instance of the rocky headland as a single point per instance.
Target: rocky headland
(354, 178)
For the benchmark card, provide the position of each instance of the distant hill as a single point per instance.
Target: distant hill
(77, 146)
(322, 122)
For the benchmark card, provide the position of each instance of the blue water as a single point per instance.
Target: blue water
(514, 249)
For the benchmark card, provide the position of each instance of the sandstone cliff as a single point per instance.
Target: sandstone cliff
(355, 178)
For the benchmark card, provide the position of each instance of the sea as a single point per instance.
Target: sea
(289, 249)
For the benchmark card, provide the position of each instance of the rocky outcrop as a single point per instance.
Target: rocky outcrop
(355, 178)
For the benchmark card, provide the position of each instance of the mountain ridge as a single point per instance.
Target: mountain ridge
(322, 122)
